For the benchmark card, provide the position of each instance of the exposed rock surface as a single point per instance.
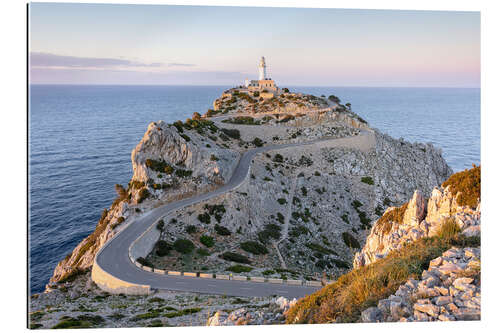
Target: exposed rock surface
(422, 218)
(449, 290)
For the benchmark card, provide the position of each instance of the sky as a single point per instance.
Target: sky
(197, 45)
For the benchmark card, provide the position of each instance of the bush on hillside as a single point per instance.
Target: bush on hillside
(221, 230)
(254, 247)
(350, 241)
(184, 246)
(232, 133)
(163, 248)
(207, 240)
(236, 257)
(239, 269)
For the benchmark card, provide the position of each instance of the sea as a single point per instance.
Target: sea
(81, 138)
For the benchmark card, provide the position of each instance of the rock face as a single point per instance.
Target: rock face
(207, 164)
(421, 219)
(449, 290)
(164, 142)
(82, 257)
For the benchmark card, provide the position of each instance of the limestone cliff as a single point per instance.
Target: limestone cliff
(419, 218)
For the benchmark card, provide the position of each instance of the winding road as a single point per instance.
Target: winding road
(113, 257)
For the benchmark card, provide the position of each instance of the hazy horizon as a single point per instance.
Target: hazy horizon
(110, 44)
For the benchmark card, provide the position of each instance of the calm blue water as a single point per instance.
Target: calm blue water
(81, 138)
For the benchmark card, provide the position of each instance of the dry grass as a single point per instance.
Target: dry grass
(396, 215)
(468, 183)
(353, 292)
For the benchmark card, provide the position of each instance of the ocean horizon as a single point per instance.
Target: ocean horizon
(81, 137)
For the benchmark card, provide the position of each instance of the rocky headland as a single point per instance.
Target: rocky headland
(309, 212)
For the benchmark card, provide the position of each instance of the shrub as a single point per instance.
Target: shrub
(254, 247)
(213, 158)
(190, 229)
(270, 231)
(204, 218)
(281, 218)
(236, 257)
(202, 252)
(319, 248)
(258, 142)
(160, 225)
(393, 216)
(350, 241)
(143, 194)
(281, 201)
(159, 166)
(232, 133)
(297, 231)
(239, 269)
(144, 262)
(221, 230)
(268, 272)
(207, 240)
(163, 248)
(367, 180)
(184, 246)
(278, 158)
(448, 229)
(183, 173)
(468, 183)
(216, 210)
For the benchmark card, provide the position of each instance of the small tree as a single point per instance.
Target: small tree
(196, 116)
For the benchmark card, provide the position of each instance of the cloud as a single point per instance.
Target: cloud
(49, 60)
(176, 64)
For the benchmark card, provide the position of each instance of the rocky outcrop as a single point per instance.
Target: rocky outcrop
(421, 218)
(248, 316)
(449, 290)
(82, 256)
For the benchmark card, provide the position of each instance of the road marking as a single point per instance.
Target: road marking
(282, 291)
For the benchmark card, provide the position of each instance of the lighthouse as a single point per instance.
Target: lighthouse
(262, 69)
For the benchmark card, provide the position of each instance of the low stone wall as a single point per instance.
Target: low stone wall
(113, 285)
(294, 282)
(174, 273)
(239, 278)
(206, 276)
(313, 283)
(257, 279)
(159, 271)
(189, 274)
(222, 277)
(275, 280)
(143, 245)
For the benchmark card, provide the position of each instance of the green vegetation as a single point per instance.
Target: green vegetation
(321, 249)
(82, 321)
(350, 241)
(160, 225)
(207, 241)
(367, 180)
(304, 191)
(144, 262)
(143, 194)
(185, 137)
(278, 158)
(159, 166)
(280, 217)
(468, 183)
(258, 142)
(183, 173)
(216, 210)
(270, 231)
(163, 248)
(254, 247)
(365, 221)
(281, 201)
(305, 161)
(221, 230)
(232, 133)
(213, 158)
(355, 291)
(204, 218)
(297, 231)
(239, 269)
(190, 229)
(242, 120)
(236, 257)
(183, 312)
(184, 246)
(202, 252)
(345, 218)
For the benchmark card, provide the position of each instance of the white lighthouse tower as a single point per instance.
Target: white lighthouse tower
(262, 69)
